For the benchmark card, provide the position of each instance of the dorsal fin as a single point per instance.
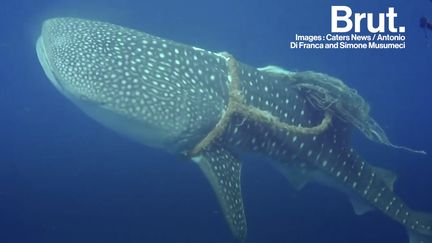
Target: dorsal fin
(223, 170)
(387, 176)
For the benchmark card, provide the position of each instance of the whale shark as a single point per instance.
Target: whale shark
(214, 109)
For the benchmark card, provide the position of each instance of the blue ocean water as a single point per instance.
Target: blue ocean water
(65, 178)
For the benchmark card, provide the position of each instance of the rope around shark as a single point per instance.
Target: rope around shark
(325, 93)
(236, 105)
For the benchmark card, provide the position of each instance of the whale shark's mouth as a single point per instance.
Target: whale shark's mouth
(46, 65)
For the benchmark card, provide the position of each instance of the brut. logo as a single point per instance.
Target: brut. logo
(341, 21)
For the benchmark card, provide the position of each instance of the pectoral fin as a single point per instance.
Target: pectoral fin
(223, 170)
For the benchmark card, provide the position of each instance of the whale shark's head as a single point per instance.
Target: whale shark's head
(162, 93)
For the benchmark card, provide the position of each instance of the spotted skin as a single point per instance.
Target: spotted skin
(172, 88)
(170, 96)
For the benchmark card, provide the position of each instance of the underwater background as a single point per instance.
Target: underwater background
(65, 178)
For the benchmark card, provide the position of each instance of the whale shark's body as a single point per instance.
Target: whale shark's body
(172, 97)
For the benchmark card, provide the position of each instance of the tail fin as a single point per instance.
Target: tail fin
(421, 229)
